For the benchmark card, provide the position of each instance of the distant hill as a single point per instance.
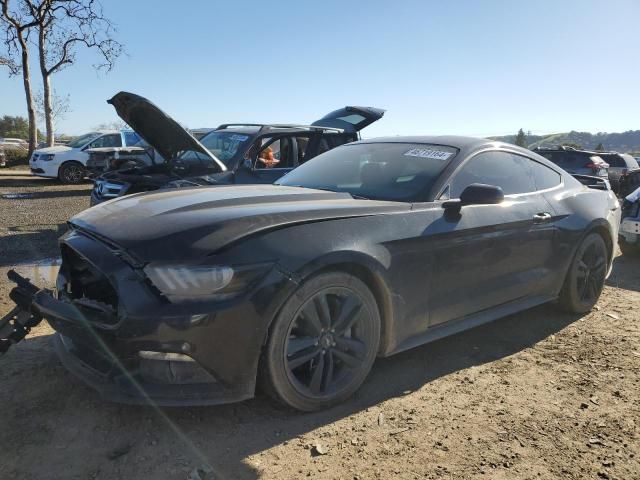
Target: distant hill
(620, 142)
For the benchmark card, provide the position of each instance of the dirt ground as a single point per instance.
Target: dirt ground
(536, 395)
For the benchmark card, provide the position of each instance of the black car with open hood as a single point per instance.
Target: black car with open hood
(233, 153)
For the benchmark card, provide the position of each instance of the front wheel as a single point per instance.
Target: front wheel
(323, 343)
(585, 278)
(72, 172)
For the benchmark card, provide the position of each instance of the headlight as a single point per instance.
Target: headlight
(188, 283)
(48, 157)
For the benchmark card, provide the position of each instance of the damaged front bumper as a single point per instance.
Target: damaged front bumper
(145, 351)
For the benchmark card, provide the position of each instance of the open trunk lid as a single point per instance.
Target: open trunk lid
(350, 119)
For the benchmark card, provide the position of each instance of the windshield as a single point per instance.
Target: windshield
(223, 145)
(381, 171)
(82, 140)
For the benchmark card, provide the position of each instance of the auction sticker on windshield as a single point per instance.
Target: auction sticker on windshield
(428, 153)
(239, 138)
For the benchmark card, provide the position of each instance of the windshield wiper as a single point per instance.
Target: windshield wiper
(324, 189)
(359, 197)
(327, 189)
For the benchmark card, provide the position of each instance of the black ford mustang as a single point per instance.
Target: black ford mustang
(189, 296)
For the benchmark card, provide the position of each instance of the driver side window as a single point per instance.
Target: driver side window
(275, 154)
(502, 169)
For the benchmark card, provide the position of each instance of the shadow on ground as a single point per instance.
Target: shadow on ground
(35, 243)
(26, 181)
(225, 436)
(626, 273)
(45, 195)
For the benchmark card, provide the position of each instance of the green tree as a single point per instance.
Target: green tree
(14, 127)
(521, 139)
(600, 147)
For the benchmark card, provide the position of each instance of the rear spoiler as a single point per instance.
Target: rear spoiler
(596, 183)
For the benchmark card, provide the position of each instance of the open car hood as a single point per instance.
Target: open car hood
(157, 128)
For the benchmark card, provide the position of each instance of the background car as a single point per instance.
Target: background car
(181, 160)
(67, 162)
(13, 144)
(102, 160)
(629, 183)
(619, 164)
(629, 239)
(581, 162)
(367, 250)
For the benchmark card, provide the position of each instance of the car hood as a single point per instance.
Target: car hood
(157, 128)
(186, 223)
(56, 149)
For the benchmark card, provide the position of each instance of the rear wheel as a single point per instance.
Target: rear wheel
(323, 343)
(72, 172)
(586, 276)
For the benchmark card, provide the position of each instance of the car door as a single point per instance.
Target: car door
(490, 255)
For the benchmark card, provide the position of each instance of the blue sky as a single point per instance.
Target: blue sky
(460, 67)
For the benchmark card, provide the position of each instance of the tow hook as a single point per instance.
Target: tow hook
(17, 324)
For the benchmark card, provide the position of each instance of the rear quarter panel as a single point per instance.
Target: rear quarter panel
(578, 211)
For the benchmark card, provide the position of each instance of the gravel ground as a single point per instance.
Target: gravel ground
(536, 395)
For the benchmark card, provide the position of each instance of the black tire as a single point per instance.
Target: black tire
(585, 278)
(629, 249)
(72, 172)
(322, 344)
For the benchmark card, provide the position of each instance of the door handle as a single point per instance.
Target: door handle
(541, 217)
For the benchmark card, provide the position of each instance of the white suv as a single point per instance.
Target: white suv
(67, 162)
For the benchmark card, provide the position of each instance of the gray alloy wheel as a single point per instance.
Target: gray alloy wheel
(586, 275)
(72, 172)
(323, 343)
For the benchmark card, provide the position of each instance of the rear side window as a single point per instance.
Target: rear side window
(506, 170)
(543, 176)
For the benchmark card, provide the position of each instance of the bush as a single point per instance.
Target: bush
(16, 158)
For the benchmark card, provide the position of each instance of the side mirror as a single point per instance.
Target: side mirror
(481, 194)
(476, 194)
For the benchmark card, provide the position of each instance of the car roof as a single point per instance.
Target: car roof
(466, 145)
(274, 128)
(450, 140)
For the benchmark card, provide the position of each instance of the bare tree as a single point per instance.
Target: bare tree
(112, 125)
(63, 26)
(17, 23)
(60, 106)
(10, 64)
